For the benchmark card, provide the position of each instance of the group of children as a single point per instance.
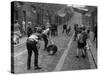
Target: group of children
(81, 36)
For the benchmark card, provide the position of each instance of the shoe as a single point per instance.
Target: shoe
(45, 49)
(36, 68)
(28, 68)
(83, 56)
(77, 56)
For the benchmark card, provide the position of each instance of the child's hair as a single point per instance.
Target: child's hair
(83, 28)
(80, 31)
(88, 31)
(39, 31)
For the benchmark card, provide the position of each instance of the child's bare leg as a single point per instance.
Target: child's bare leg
(77, 52)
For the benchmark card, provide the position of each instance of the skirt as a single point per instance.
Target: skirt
(81, 45)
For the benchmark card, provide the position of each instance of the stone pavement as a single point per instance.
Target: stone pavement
(73, 63)
(21, 41)
(93, 48)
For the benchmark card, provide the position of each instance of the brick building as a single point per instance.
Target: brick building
(90, 17)
(38, 14)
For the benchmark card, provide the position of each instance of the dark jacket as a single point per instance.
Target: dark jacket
(29, 31)
(64, 26)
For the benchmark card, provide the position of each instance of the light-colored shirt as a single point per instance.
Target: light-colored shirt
(46, 31)
(34, 37)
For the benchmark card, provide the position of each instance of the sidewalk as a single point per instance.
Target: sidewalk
(93, 49)
(21, 41)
